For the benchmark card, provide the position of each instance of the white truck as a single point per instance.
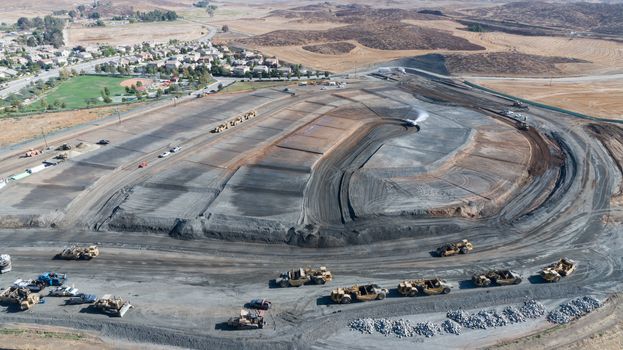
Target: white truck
(5, 263)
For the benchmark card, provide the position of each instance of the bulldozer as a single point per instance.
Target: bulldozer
(496, 277)
(5, 263)
(113, 306)
(20, 296)
(78, 253)
(248, 319)
(362, 293)
(64, 147)
(449, 249)
(562, 268)
(301, 276)
(433, 286)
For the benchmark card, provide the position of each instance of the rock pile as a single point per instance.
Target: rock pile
(573, 309)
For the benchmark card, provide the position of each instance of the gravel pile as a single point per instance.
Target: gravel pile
(532, 309)
(384, 326)
(403, 328)
(458, 316)
(427, 329)
(573, 309)
(451, 327)
(363, 325)
(513, 315)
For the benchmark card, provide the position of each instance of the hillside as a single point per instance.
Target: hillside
(383, 36)
(596, 17)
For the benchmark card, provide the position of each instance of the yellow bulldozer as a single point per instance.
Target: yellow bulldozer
(562, 268)
(449, 249)
(433, 286)
(362, 293)
(20, 296)
(75, 252)
(301, 276)
(112, 305)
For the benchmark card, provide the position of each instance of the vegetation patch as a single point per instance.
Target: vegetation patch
(84, 90)
(336, 48)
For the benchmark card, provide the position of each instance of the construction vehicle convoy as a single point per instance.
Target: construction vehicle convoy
(433, 286)
(5, 263)
(362, 293)
(496, 277)
(300, 276)
(113, 306)
(248, 319)
(234, 122)
(562, 268)
(449, 249)
(75, 252)
(19, 296)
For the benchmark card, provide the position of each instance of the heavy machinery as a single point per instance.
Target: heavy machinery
(113, 306)
(64, 147)
(220, 128)
(519, 104)
(5, 263)
(448, 249)
(433, 286)
(32, 285)
(248, 319)
(75, 252)
(362, 293)
(142, 164)
(299, 277)
(260, 304)
(52, 278)
(20, 296)
(561, 268)
(496, 277)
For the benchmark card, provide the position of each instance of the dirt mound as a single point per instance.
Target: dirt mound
(130, 82)
(336, 48)
(600, 18)
(352, 13)
(504, 62)
(378, 35)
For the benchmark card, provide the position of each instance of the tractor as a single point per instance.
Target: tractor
(362, 293)
(448, 249)
(496, 277)
(433, 286)
(555, 271)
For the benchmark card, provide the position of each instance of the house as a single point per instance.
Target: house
(272, 62)
(84, 55)
(192, 57)
(284, 70)
(240, 70)
(59, 61)
(172, 64)
(240, 62)
(260, 69)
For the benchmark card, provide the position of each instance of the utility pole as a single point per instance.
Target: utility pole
(44, 139)
(118, 115)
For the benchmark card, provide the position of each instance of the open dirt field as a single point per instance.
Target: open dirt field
(598, 99)
(136, 33)
(130, 82)
(25, 128)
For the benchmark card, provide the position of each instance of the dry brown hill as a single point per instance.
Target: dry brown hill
(376, 35)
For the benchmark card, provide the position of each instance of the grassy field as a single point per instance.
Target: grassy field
(75, 91)
(253, 85)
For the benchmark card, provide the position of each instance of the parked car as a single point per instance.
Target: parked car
(81, 298)
(261, 304)
(64, 291)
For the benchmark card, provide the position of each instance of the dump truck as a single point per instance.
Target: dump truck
(433, 286)
(52, 278)
(20, 296)
(248, 319)
(113, 306)
(362, 293)
(5, 263)
(562, 268)
(496, 277)
(448, 249)
(75, 252)
(301, 276)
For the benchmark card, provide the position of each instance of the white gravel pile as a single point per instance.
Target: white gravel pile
(363, 325)
(427, 329)
(573, 309)
(532, 309)
(451, 327)
(513, 315)
(384, 326)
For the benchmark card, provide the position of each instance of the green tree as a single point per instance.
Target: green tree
(106, 91)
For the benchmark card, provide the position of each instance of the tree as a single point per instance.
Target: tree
(139, 83)
(94, 15)
(326, 74)
(72, 14)
(106, 91)
(98, 68)
(43, 103)
(220, 86)
(159, 93)
(225, 28)
(63, 105)
(32, 42)
(24, 23)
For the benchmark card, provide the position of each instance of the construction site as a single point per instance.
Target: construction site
(397, 204)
